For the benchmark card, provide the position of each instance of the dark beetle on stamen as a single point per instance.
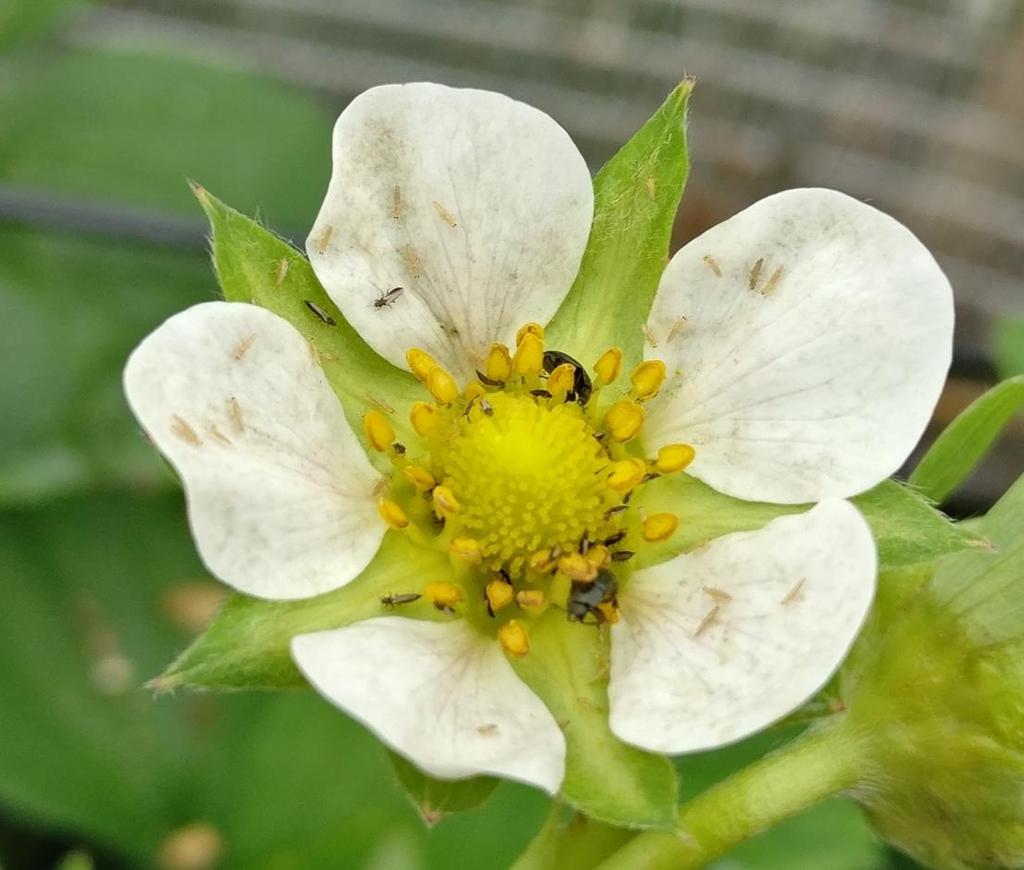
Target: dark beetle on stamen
(400, 598)
(581, 385)
(585, 598)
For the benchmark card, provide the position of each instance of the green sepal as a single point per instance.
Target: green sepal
(636, 195)
(965, 441)
(247, 644)
(906, 527)
(436, 798)
(254, 265)
(605, 778)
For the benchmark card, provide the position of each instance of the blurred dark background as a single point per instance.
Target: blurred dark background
(105, 108)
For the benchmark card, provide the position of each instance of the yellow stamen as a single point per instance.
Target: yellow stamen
(474, 390)
(609, 611)
(562, 379)
(540, 561)
(422, 479)
(529, 357)
(529, 329)
(608, 365)
(673, 458)
(379, 431)
(443, 595)
(514, 639)
(442, 386)
(421, 363)
(466, 549)
(598, 556)
(392, 514)
(445, 503)
(576, 567)
(499, 594)
(647, 378)
(624, 419)
(659, 527)
(423, 418)
(499, 363)
(626, 473)
(532, 601)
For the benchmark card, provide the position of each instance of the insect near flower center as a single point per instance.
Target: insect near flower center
(525, 477)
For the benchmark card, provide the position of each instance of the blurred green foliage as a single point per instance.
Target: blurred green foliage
(95, 556)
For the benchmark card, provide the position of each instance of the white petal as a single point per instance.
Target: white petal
(441, 694)
(820, 381)
(477, 205)
(791, 598)
(278, 488)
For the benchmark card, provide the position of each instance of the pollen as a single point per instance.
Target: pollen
(529, 356)
(529, 478)
(499, 594)
(660, 527)
(392, 513)
(499, 364)
(673, 458)
(467, 550)
(624, 420)
(647, 378)
(443, 595)
(514, 639)
(379, 431)
(608, 365)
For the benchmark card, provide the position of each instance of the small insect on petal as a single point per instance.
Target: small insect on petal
(242, 348)
(393, 599)
(608, 365)
(719, 596)
(676, 329)
(712, 264)
(647, 378)
(320, 314)
(709, 618)
(388, 298)
(379, 431)
(794, 593)
(444, 214)
(773, 282)
(624, 420)
(755, 273)
(673, 458)
(181, 427)
(323, 240)
(392, 513)
(282, 272)
(659, 527)
(514, 639)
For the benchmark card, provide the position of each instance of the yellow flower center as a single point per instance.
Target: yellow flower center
(524, 477)
(529, 476)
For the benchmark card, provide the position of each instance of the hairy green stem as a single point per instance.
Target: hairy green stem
(815, 767)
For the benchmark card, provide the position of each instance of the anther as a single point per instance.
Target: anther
(673, 458)
(514, 639)
(466, 550)
(442, 386)
(379, 431)
(626, 473)
(541, 561)
(499, 364)
(423, 418)
(576, 567)
(422, 479)
(529, 356)
(421, 363)
(474, 390)
(443, 595)
(624, 420)
(499, 594)
(659, 527)
(609, 612)
(529, 329)
(445, 503)
(392, 513)
(562, 380)
(598, 556)
(608, 365)
(532, 601)
(647, 378)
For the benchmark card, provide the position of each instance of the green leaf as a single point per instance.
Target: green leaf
(636, 195)
(247, 645)
(965, 441)
(254, 265)
(436, 798)
(604, 778)
(906, 528)
(1008, 347)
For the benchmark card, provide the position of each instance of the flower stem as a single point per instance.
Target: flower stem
(815, 767)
